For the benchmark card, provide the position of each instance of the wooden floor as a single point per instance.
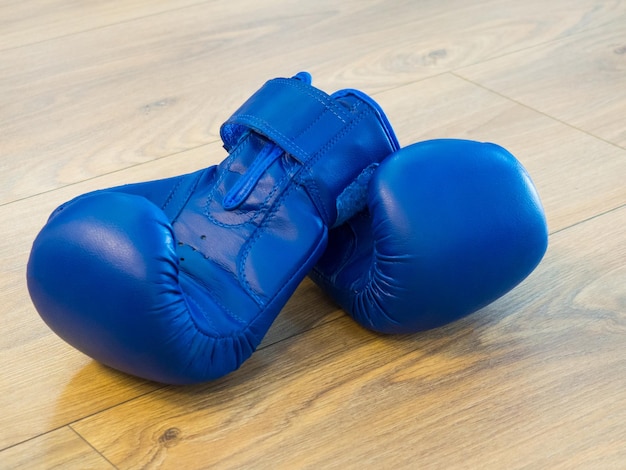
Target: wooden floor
(94, 94)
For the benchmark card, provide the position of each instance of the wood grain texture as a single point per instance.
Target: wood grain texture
(533, 381)
(96, 94)
(80, 105)
(62, 449)
(36, 21)
(587, 69)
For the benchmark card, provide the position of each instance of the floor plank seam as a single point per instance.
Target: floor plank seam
(409, 82)
(82, 438)
(32, 438)
(298, 333)
(119, 170)
(129, 20)
(457, 73)
(588, 219)
(559, 38)
(70, 423)
(159, 387)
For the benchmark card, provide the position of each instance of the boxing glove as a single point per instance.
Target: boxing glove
(178, 280)
(448, 226)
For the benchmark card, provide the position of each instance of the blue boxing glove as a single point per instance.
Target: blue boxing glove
(449, 226)
(178, 280)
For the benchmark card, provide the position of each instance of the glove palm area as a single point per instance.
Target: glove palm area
(178, 280)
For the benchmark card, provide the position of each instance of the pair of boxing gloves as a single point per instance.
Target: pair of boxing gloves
(178, 280)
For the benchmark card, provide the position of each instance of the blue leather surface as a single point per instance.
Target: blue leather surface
(451, 225)
(178, 280)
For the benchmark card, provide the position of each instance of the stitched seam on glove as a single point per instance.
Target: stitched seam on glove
(244, 186)
(316, 120)
(311, 185)
(314, 93)
(183, 201)
(211, 197)
(187, 297)
(279, 291)
(256, 213)
(263, 123)
(172, 192)
(249, 244)
(277, 204)
(266, 157)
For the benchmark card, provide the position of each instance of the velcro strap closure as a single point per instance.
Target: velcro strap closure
(297, 117)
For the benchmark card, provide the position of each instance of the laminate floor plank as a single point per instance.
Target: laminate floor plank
(62, 449)
(78, 106)
(580, 80)
(534, 380)
(31, 21)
